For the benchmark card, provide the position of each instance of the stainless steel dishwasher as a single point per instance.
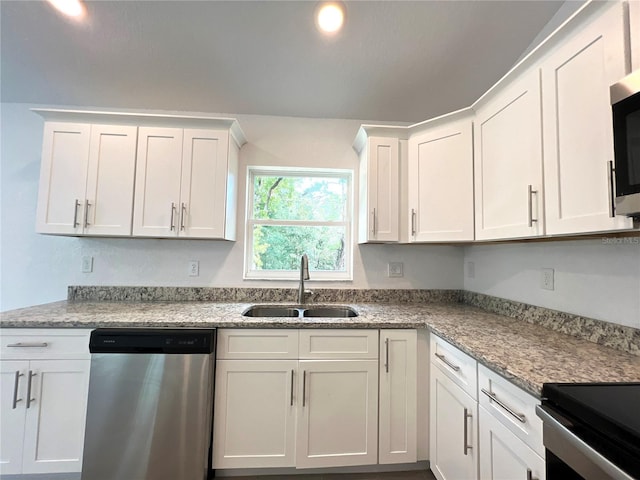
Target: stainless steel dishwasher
(149, 413)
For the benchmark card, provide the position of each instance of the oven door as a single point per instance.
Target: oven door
(569, 457)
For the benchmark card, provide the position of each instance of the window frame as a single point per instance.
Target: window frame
(250, 223)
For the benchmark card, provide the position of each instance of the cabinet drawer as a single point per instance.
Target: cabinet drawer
(455, 364)
(512, 406)
(43, 344)
(339, 344)
(257, 344)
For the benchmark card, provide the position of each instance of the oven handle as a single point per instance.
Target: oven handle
(602, 462)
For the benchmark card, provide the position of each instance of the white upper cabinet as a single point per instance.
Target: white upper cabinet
(441, 180)
(634, 22)
(185, 183)
(578, 137)
(379, 199)
(86, 179)
(508, 161)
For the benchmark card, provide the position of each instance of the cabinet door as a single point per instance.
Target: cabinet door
(453, 435)
(203, 191)
(634, 22)
(398, 395)
(508, 162)
(441, 183)
(338, 413)
(63, 177)
(13, 389)
(503, 456)
(382, 208)
(108, 206)
(578, 138)
(157, 190)
(55, 420)
(254, 414)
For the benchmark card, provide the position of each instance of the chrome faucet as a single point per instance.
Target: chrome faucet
(304, 275)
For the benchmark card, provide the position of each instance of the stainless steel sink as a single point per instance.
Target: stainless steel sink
(329, 312)
(300, 311)
(271, 311)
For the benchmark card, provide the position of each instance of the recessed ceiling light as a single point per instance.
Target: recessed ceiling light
(71, 8)
(330, 17)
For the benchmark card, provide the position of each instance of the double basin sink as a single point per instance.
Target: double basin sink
(300, 311)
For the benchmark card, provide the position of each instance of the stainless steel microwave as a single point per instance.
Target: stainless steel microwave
(625, 103)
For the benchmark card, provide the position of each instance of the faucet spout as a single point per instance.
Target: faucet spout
(304, 275)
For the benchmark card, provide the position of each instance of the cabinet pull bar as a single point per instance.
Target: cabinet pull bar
(86, 213)
(373, 222)
(492, 396)
(467, 415)
(29, 399)
(15, 390)
(447, 362)
(304, 386)
(612, 190)
(530, 193)
(75, 214)
(183, 214)
(28, 345)
(386, 364)
(530, 475)
(173, 211)
(292, 387)
(413, 222)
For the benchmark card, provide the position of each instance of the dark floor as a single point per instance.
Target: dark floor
(413, 475)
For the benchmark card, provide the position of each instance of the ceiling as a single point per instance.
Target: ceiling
(394, 60)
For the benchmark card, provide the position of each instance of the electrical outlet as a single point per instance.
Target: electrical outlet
(546, 279)
(395, 269)
(194, 268)
(471, 270)
(87, 264)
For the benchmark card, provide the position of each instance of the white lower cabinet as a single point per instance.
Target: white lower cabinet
(43, 403)
(315, 406)
(337, 413)
(255, 413)
(453, 433)
(503, 456)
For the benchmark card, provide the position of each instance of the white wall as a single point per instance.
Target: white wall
(38, 268)
(595, 278)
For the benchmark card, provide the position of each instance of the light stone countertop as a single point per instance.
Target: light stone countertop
(527, 354)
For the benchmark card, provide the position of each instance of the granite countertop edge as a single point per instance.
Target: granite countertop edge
(526, 354)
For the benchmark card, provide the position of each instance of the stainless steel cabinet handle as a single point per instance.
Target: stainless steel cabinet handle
(386, 364)
(183, 214)
(86, 213)
(612, 190)
(29, 399)
(173, 211)
(304, 386)
(530, 193)
(453, 366)
(530, 475)
(292, 387)
(28, 345)
(467, 415)
(373, 222)
(75, 213)
(15, 390)
(521, 417)
(413, 222)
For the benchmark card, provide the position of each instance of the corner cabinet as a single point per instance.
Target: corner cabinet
(441, 180)
(508, 161)
(119, 174)
(578, 137)
(380, 154)
(45, 380)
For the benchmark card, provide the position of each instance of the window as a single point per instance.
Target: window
(295, 211)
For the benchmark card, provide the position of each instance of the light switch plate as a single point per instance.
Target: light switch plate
(395, 269)
(87, 264)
